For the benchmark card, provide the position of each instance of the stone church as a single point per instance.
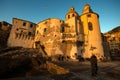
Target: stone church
(76, 35)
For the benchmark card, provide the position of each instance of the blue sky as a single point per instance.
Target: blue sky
(38, 10)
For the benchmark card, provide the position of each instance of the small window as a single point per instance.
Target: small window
(62, 29)
(68, 16)
(24, 24)
(63, 41)
(29, 33)
(21, 31)
(44, 29)
(60, 21)
(17, 29)
(89, 15)
(46, 22)
(73, 15)
(37, 32)
(31, 25)
(90, 27)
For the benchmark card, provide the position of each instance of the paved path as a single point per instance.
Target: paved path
(81, 70)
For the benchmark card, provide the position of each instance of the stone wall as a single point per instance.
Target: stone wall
(22, 33)
(76, 35)
(4, 33)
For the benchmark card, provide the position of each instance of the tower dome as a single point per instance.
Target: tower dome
(87, 9)
(71, 13)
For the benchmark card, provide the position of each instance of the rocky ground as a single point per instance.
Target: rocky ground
(21, 64)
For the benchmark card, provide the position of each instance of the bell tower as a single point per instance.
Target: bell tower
(93, 41)
(87, 9)
(71, 13)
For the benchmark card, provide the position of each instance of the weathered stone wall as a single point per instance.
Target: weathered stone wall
(22, 33)
(58, 37)
(70, 36)
(4, 33)
(5, 26)
(93, 42)
(48, 32)
(77, 35)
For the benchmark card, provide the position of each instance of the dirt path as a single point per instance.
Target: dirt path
(81, 71)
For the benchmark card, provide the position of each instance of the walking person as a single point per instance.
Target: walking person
(94, 66)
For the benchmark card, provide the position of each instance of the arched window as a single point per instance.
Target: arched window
(24, 23)
(44, 29)
(90, 26)
(73, 15)
(62, 29)
(68, 16)
(89, 15)
(37, 32)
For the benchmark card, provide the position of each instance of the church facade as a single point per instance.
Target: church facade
(76, 35)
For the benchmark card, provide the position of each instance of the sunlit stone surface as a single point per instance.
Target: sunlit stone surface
(76, 35)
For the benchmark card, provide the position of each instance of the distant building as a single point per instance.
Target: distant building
(113, 39)
(106, 48)
(77, 35)
(5, 26)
